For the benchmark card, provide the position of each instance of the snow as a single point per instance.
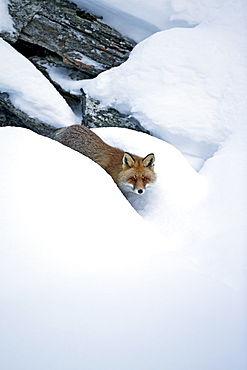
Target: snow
(6, 23)
(176, 86)
(28, 89)
(88, 282)
(76, 293)
(129, 18)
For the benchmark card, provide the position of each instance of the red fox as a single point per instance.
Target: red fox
(130, 172)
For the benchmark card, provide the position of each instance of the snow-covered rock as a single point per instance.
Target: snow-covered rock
(183, 84)
(30, 91)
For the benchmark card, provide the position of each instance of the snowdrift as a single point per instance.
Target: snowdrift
(90, 280)
(86, 282)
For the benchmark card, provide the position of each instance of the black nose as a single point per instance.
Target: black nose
(140, 191)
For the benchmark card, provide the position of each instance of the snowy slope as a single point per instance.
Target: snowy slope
(86, 281)
(28, 89)
(184, 85)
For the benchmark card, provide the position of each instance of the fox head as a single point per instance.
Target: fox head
(137, 173)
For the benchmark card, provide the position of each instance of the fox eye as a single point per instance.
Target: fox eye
(144, 179)
(132, 179)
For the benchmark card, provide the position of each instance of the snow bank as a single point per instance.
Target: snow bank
(52, 193)
(132, 20)
(85, 282)
(183, 84)
(203, 215)
(209, 12)
(6, 23)
(29, 89)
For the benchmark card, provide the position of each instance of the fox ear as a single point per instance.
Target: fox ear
(128, 160)
(148, 161)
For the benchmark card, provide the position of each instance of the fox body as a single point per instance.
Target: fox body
(130, 172)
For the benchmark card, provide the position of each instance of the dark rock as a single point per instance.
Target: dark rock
(96, 116)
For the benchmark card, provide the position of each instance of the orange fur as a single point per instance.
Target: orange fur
(130, 172)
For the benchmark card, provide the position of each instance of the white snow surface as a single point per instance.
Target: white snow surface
(184, 85)
(6, 23)
(132, 19)
(30, 90)
(86, 281)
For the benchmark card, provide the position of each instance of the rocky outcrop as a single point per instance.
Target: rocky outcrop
(95, 116)
(92, 116)
(58, 34)
(68, 35)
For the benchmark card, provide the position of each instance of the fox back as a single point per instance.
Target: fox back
(130, 172)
